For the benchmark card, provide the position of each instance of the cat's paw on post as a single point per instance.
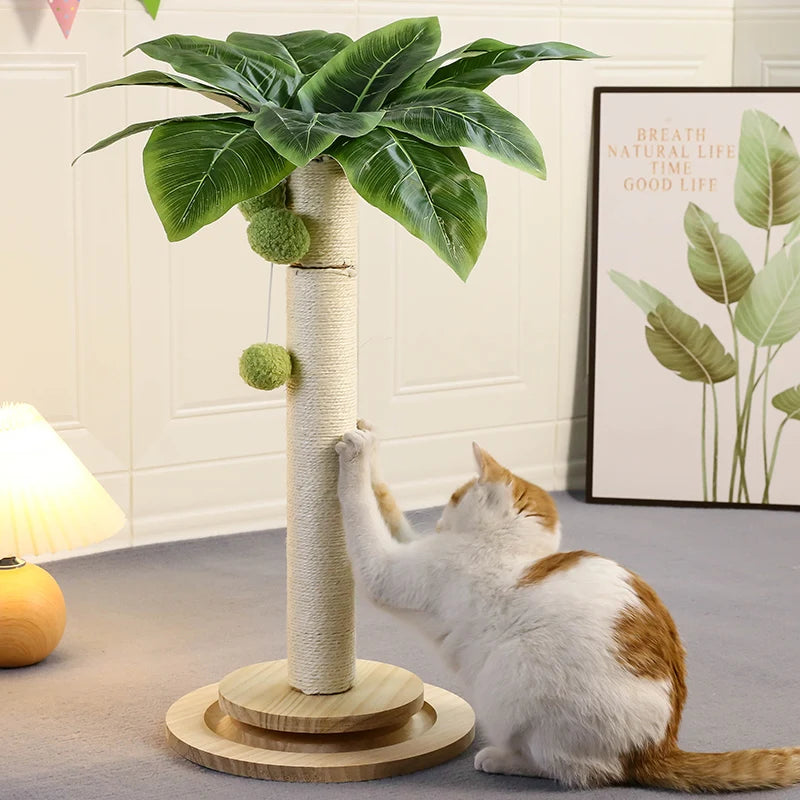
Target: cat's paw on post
(355, 445)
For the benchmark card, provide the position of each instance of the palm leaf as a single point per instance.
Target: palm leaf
(767, 185)
(429, 190)
(468, 118)
(717, 262)
(255, 77)
(769, 312)
(303, 51)
(788, 401)
(300, 136)
(196, 170)
(477, 72)
(415, 82)
(139, 127)
(360, 77)
(155, 78)
(643, 294)
(680, 344)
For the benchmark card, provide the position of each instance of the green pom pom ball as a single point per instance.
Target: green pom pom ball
(278, 235)
(265, 366)
(274, 198)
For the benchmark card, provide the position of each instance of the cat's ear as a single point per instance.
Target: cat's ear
(488, 468)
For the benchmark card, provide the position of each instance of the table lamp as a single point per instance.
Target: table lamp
(49, 501)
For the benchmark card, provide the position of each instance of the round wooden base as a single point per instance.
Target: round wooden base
(398, 725)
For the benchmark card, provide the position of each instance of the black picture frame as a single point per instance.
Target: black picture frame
(590, 494)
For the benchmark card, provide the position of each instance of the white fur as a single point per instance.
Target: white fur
(539, 660)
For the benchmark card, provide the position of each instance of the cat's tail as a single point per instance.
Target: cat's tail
(739, 770)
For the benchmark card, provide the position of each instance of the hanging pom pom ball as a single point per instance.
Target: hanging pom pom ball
(265, 366)
(274, 198)
(278, 235)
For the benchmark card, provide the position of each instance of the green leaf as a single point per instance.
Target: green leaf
(196, 170)
(468, 118)
(254, 77)
(792, 233)
(643, 294)
(429, 190)
(300, 135)
(415, 82)
(717, 262)
(680, 344)
(304, 51)
(788, 401)
(478, 71)
(360, 77)
(152, 7)
(139, 127)
(769, 312)
(155, 78)
(767, 185)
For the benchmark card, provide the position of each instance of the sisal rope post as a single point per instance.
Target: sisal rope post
(321, 406)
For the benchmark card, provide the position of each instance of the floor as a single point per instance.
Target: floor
(148, 625)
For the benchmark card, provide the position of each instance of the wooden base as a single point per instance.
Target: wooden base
(383, 726)
(32, 614)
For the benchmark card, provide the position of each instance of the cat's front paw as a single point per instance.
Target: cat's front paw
(355, 446)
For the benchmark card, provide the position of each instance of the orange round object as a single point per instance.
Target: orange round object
(32, 615)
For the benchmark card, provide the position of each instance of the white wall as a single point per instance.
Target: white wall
(131, 345)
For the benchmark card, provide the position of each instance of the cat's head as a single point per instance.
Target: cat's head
(498, 500)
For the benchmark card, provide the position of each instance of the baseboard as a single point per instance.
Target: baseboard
(199, 522)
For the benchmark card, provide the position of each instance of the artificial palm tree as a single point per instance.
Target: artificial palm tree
(322, 115)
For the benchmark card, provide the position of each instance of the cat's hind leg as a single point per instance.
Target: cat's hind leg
(500, 761)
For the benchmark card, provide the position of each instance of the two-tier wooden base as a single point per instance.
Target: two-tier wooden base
(253, 723)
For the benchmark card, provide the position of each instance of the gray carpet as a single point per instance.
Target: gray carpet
(148, 625)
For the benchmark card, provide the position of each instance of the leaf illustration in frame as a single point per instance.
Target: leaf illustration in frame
(792, 233)
(769, 312)
(645, 296)
(788, 401)
(682, 345)
(717, 261)
(767, 184)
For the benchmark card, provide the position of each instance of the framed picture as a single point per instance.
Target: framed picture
(694, 392)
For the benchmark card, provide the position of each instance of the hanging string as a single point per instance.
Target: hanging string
(269, 297)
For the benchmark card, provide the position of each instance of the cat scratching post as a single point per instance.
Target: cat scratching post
(321, 714)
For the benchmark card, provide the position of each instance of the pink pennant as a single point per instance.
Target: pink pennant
(64, 11)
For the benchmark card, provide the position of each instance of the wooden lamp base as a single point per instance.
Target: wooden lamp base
(252, 723)
(32, 613)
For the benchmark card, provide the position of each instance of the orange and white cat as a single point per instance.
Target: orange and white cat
(572, 663)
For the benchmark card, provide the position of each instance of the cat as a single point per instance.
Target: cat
(573, 665)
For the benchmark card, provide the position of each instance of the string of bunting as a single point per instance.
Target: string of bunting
(65, 12)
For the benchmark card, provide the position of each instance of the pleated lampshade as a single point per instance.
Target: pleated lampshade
(49, 501)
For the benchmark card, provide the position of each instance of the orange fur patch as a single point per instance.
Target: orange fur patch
(390, 511)
(455, 498)
(558, 562)
(718, 772)
(533, 501)
(649, 646)
(529, 500)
